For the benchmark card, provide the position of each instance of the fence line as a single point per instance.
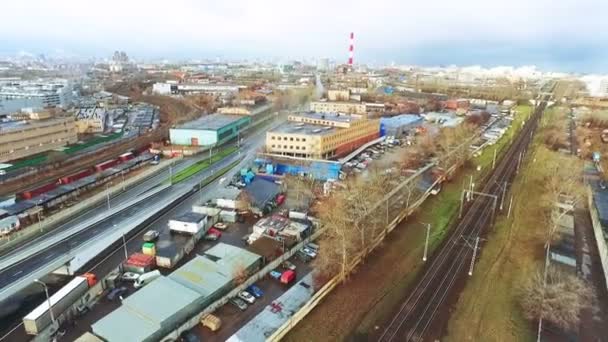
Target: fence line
(598, 231)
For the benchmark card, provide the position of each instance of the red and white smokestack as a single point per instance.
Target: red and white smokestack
(351, 49)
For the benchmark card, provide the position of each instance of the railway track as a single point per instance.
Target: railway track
(427, 300)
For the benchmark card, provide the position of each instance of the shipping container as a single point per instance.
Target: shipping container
(37, 191)
(76, 176)
(188, 223)
(107, 164)
(40, 318)
(139, 263)
(148, 248)
(126, 156)
(168, 255)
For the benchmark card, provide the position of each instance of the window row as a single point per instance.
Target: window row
(290, 147)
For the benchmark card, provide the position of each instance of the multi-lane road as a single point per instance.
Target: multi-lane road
(32, 263)
(425, 306)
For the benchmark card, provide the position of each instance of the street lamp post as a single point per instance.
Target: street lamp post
(426, 243)
(108, 194)
(48, 299)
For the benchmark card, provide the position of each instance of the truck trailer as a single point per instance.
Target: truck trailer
(37, 320)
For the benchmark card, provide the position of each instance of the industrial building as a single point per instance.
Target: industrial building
(165, 303)
(353, 107)
(16, 94)
(321, 135)
(20, 140)
(91, 119)
(196, 88)
(399, 126)
(209, 130)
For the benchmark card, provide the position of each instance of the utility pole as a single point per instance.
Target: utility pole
(48, 299)
(426, 243)
(518, 163)
(122, 173)
(510, 204)
(108, 195)
(461, 202)
(200, 189)
(171, 173)
(494, 158)
(474, 255)
(124, 244)
(502, 200)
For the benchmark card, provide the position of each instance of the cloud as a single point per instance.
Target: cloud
(305, 28)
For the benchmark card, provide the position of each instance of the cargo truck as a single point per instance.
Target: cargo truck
(40, 318)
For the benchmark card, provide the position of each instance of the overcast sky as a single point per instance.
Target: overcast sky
(567, 35)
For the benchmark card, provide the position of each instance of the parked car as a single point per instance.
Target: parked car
(116, 292)
(603, 185)
(246, 296)
(213, 234)
(288, 265)
(288, 277)
(275, 274)
(313, 246)
(255, 290)
(146, 278)
(188, 336)
(309, 252)
(239, 303)
(220, 226)
(151, 235)
(129, 276)
(303, 256)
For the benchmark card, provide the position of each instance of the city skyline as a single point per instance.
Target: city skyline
(471, 32)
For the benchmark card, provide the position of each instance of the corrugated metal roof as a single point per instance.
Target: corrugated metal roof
(146, 311)
(201, 275)
(229, 257)
(160, 299)
(122, 325)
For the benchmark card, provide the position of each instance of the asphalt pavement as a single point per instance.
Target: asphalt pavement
(27, 266)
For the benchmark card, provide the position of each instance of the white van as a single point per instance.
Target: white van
(146, 278)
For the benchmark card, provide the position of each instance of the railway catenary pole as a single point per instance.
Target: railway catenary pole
(426, 242)
(422, 304)
(474, 255)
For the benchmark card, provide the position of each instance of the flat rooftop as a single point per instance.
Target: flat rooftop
(211, 122)
(291, 127)
(338, 117)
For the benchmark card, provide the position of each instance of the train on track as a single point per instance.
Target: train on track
(31, 204)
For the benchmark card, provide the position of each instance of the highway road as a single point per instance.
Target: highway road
(26, 266)
(421, 316)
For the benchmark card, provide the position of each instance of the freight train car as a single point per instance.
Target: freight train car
(37, 191)
(76, 176)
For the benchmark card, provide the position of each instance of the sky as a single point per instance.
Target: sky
(560, 35)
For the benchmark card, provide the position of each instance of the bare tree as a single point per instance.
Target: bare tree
(559, 301)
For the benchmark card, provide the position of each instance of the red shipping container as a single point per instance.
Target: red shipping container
(76, 176)
(107, 164)
(126, 156)
(35, 192)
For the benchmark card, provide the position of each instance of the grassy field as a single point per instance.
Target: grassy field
(202, 165)
(356, 308)
(488, 308)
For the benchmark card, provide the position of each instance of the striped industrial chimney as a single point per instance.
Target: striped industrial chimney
(351, 50)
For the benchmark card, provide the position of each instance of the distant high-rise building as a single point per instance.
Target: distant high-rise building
(323, 64)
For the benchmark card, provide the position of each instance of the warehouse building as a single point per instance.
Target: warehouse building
(18, 140)
(350, 107)
(321, 135)
(209, 130)
(399, 126)
(167, 302)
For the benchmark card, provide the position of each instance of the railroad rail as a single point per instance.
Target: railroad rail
(421, 308)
